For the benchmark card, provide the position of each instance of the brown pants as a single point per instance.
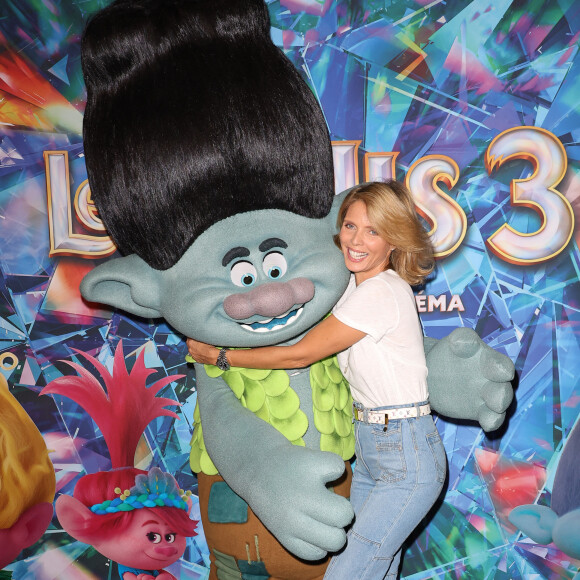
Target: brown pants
(249, 548)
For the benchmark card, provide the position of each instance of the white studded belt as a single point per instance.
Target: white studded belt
(383, 417)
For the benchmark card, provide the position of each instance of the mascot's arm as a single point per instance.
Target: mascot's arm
(284, 484)
(325, 339)
(468, 379)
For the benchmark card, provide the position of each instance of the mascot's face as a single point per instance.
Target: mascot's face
(254, 279)
(149, 543)
(267, 148)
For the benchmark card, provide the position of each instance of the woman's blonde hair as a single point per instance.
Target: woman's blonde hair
(391, 211)
(26, 472)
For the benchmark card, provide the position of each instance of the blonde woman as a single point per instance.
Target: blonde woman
(376, 332)
(27, 480)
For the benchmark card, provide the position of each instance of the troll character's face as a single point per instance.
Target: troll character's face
(253, 279)
(150, 543)
(144, 538)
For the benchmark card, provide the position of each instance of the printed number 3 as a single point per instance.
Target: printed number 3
(537, 192)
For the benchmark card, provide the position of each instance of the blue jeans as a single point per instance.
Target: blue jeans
(398, 477)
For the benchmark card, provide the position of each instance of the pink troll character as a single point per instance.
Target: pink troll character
(136, 518)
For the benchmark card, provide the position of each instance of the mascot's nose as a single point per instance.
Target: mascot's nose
(272, 299)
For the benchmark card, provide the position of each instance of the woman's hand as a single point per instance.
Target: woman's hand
(201, 352)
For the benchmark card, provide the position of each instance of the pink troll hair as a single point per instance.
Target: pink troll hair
(122, 413)
(96, 487)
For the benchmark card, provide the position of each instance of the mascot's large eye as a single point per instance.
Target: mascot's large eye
(170, 538)
(274, 265)
(154, 537)
(243, 274)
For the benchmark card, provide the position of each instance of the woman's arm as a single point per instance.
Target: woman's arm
(325, 339)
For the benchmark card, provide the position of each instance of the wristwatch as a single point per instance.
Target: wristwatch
(222, 360)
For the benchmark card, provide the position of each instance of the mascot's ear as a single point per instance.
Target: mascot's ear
(27, 530)
(128, 283)
(73, 517)
(33, 523)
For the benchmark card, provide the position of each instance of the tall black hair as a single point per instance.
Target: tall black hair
(194, 115)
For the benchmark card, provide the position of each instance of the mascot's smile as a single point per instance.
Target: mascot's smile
(274, 323)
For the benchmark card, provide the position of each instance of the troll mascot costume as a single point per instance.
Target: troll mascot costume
(27, 479)
(211, 166)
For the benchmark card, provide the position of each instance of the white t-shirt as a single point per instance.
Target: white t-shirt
(386, 367)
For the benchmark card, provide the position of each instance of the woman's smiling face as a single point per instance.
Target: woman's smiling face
(366, 254)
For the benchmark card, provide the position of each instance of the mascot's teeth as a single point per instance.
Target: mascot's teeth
(274, 323)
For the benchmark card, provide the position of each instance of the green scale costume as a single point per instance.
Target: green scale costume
(268, 394)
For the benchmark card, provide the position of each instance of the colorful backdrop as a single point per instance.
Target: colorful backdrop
(474, 103)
